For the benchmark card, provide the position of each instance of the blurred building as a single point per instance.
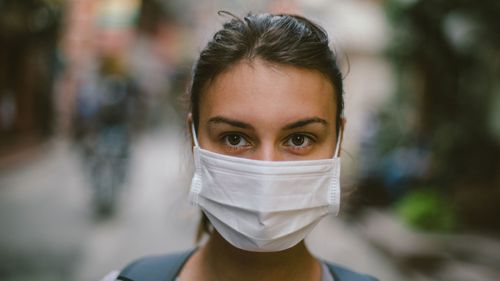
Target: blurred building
(29, 63)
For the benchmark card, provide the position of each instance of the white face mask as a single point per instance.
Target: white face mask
(264, 206)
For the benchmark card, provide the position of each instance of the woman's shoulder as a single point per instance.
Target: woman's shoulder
(167, 267)
(161, 267)
(341, 273)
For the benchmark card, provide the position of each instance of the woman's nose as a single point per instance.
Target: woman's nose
(268, 152)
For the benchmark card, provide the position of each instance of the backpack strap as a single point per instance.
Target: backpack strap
(167, 268)
(155, 268)
(340, 273)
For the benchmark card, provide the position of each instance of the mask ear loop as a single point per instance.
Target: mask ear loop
(338, 144)
(196, 181)
(195, 138)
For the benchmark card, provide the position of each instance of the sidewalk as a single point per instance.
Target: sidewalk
(433, 256)
(338, 241)
(43, 216)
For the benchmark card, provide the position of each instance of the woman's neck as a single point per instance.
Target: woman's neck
(219, 260)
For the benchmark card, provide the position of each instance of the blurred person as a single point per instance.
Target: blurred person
(266, 121)
(103, 123)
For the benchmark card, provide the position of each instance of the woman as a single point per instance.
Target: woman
(266, 122)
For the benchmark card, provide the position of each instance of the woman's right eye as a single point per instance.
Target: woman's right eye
(235, 141)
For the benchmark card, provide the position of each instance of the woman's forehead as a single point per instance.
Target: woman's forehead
(258, 90)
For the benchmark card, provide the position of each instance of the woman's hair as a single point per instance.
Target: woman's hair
(282, 39)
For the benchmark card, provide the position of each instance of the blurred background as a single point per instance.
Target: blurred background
(95, 161)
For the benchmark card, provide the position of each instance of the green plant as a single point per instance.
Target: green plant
(427, 209)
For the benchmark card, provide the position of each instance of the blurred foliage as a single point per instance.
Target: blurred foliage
(447, 60)
(426, 209)
(441, 126)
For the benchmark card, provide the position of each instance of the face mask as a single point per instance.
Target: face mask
(264, 206)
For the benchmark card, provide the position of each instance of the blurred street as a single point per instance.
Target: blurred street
(49, 231)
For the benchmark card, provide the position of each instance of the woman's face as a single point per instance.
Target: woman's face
(264, 111)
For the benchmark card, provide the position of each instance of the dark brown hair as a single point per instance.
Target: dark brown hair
(282, 39)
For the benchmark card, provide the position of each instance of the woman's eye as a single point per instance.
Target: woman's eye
(299, 141)
(234, 140)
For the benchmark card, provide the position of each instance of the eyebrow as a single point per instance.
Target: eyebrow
(232, 122)
(305, 122)
(243, 125)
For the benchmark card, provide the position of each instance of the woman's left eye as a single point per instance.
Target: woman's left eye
(299, 141)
